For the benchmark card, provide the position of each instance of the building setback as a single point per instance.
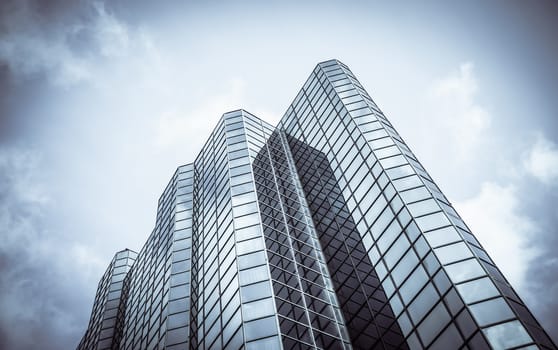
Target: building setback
(324, 232)
(105, 324)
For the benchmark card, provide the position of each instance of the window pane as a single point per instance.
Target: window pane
(272, 343)
(442, 236)
(491, 311)
(243, 198)
(415, 194)
(449, 339)
(434, 323)
(244, 209)
(251, 260)
(255, 274)
(248, 232)
(507, 335)
(407, 182)
(415, 282)
(432, 221)
(423, 207)
(453, 252)
(387, 152)
(477, 290)
(391, 161)
(400, 171)
(388, 236)
(396, 251)
(257, 309)
(255, 291)
(464, 270)
(404, 267)
(263, 327)
(250, 245)
(247, 220)
(423, 303)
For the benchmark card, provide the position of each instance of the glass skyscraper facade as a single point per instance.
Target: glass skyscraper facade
(105, 325)
(324, 232)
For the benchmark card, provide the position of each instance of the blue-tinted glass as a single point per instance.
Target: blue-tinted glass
(258, 309)
(491, 311)
(464, 270)
(453, 252)
(507, 335)
(432, 221)
(477, 290)
(271, 343)
(423, 303)
(255, 291)
(442, 236)
(434, 323)
(263, 327)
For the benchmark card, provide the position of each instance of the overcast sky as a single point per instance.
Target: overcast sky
(100, 102)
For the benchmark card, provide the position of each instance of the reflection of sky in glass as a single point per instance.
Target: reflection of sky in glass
(100, 103)
(507, 335)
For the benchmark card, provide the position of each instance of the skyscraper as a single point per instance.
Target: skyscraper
(323, 232)
(110, 300)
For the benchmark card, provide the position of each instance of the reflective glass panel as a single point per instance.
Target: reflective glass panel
(477, 290)
(507, 335)
(464, 270)
(491, 311)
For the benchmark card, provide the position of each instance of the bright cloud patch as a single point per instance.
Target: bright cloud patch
(173, 125)
(453, 125)
(542, 161)
(460, 117)
(501, 228)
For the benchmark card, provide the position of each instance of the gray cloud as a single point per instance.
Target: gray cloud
(116, 94)
(35, 314)
(541, 282)
(60, 41)
(44, 271)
